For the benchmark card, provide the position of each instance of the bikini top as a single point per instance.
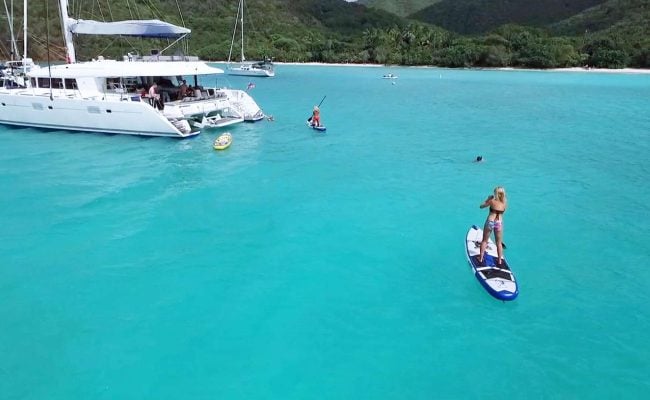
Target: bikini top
(497, 212)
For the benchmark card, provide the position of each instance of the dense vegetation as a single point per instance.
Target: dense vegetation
(612, 35)
(403, 8)
(481, 16)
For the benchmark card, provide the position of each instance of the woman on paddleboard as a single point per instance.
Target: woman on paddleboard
(315, 117)
(494, 221)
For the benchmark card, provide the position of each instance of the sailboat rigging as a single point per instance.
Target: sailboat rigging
(246, 68)
(14, 74)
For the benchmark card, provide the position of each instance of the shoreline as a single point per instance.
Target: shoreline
(636, 71)
(605, 70)
(624, 71)
(629, 71)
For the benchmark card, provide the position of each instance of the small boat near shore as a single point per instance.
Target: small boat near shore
(389, 76)
(262, 68)
(223, 141)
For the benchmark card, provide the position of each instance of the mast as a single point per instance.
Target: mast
(67, 35)
(234, 32)
(241, 4)
(10, 20)
(24, 30)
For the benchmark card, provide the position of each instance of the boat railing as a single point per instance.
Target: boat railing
(203, 94)
(158, 57)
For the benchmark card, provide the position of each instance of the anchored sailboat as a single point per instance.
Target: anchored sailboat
(246, 68)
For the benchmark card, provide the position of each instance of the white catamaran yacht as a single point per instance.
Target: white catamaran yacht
(247, 68)
(111, 96)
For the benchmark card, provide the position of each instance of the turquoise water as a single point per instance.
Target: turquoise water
(296, 265)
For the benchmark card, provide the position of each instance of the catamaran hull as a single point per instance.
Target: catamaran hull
(89, 115)
(244, 105)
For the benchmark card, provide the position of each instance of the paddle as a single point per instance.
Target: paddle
(321, 102)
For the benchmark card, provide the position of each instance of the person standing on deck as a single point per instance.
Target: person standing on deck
(155, 96)
(182, 90)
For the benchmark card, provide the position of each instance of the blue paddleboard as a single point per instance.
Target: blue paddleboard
(317, 128)
(498, 280)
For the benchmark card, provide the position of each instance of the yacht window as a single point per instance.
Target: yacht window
(71, 84)
(56, 83)
(131, 84)
(113, 83)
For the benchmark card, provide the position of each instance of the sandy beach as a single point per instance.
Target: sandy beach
(573, 69)
(604, 70)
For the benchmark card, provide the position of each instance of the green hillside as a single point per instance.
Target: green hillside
(618, 29)
(606, 16)
(614, 34)
(480, 16)
(289, 30)
(403, 8)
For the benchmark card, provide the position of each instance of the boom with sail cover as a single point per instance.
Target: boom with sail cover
(152, 28)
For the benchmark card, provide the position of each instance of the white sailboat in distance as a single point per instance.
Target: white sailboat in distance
(246, 68)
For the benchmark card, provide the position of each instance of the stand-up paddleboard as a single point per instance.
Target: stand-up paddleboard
(317, 128)
(498, 280)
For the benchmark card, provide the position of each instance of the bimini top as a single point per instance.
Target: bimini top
(112, 68)
(141, 28)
